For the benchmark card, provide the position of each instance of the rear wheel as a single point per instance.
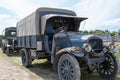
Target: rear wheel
(49, 59)
(108, 69)
(9, 51)
(3, 50)
(26, 59)
(68, 68)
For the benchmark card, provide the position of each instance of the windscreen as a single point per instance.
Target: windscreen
(10, 33)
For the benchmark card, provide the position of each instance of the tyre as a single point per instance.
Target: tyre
(26, 59)
(9, 51)
(49, 59)
(68, 68)
(3, 49)
(108, 69)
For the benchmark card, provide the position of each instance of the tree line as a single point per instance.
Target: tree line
(100, 32)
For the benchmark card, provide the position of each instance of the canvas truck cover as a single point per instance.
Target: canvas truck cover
(31, 25)
(29, 29)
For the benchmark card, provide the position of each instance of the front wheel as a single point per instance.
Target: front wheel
(108, 69)
(68, 68)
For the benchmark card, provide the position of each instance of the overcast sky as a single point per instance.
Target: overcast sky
(102, 14)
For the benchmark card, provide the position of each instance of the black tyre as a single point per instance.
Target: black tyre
(49, 59)
(108, 69)
(9, 51)
(26, 59)
(3, 50)
(68, 68)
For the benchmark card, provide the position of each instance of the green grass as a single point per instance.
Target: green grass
(117, 55)
(46, 66)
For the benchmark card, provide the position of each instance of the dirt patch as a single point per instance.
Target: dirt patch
(9, 70)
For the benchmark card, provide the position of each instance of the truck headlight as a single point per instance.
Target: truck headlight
(87, 47)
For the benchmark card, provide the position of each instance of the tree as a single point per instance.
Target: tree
(114, 33)
(107, 32)
(97, 31)
(86, 32)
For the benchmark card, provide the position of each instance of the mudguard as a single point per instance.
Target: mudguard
(80, 54)
(76, 51)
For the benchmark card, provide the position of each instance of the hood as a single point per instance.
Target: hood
(79, 40)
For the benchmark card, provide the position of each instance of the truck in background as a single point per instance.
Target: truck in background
(9, 41)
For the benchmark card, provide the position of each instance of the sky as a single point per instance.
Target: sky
(102, 14)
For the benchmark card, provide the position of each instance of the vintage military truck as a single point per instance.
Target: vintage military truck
(9, 40)
(53, 34)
